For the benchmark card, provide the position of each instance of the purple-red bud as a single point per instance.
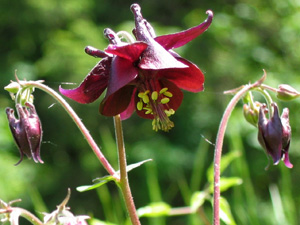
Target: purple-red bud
(26, 130)
(274, 134)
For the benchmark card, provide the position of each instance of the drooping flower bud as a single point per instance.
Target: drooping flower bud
(274, 134)
(287, 93)
(26, 130)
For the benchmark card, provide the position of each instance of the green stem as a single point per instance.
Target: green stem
(77, 121)
(267, 98)
(124, 184)
(219, 145)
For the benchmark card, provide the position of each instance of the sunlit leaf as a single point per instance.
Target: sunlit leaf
(154, 210)
(197, 200)
(227, 182)
(135, 165)
(225, 212)
(104, 180)
(100, 182)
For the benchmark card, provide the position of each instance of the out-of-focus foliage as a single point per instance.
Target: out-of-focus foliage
(45, 40)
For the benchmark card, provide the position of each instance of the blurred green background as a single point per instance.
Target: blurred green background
(45, 40)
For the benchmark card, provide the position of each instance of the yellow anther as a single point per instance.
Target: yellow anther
(164, 100)
(156, 124)
(168, 94)
(141, 94)
(163, 90)
(154, 95)
(148, 110)
(139, 105)
(145, 98)
(170, 112)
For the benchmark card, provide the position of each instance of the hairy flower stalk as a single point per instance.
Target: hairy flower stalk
(144, 76)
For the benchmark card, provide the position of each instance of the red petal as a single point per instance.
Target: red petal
(179, 39)
(117, 102)
(122, 73)
(131, 52)
(93, 85)
(177, 97)
(130, 109)
(286, 160)
(190, 79)
(155, 57)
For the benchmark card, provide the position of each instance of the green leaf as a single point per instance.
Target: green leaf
(226, 183)
(135, 165)
(225, 161)
(104, 180)
(154, 210)
(101, 181)
(197, 200)
(225, 212)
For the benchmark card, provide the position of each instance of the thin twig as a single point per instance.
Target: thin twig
(219, 144)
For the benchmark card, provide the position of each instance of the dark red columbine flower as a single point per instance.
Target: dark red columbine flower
(274, 135)
(27, 131)
(145, 76)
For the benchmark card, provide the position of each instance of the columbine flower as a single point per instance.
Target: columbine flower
(27, 131)
(274, 135)
(145, 76)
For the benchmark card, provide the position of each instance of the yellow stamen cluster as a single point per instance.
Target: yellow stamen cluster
(154, 103)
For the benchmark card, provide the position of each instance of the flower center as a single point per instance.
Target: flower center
(156, 103)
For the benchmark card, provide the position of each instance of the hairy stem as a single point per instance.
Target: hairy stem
(124, 184)
(219, 144)
(76, 120)
(16, 212)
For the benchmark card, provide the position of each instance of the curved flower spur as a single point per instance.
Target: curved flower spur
(144, 76)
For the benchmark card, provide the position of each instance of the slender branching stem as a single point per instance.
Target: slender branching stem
(219, 144)
(76, 120)
(124, 184)
(16, 212)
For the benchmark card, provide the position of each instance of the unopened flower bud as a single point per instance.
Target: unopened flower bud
(286, 92)
(26, 130)
(274, 134)
(251, 113)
